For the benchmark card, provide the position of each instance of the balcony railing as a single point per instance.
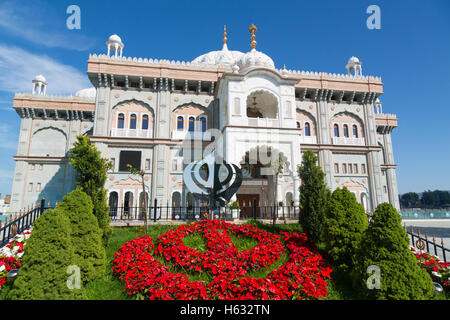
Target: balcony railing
(137, 133)
(191, 135)
(308, 139)
(349, 141)
(263, 122)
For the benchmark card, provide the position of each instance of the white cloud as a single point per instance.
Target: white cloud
(18, 67)
(34, 22)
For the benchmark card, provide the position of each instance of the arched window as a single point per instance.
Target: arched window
(191, 124)
(180, 123)
(298, 125)
(113, 203)
(133, 121)
(336, 130)
(121, 121)
(345, 130)
(355, 131)
(307, 129)
(144, 122)
(203, 124)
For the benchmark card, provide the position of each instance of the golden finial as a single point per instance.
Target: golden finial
(224, 35)
(252, 30)
(284, 67)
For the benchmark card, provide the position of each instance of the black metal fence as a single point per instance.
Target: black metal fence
(423, 243)
(158, 212)
(19, 222)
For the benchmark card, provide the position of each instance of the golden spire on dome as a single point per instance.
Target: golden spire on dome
(224, 35)
(252, 30)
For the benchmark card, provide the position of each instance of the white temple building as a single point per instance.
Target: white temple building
(161, 114)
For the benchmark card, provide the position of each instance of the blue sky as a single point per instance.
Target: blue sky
(411, 53)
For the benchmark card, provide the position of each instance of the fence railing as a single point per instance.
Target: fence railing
(425, 244)
(19, 222)
(158, 212)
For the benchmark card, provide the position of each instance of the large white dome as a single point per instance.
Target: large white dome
(87, 94)
(223, 57)
(255, 58)
(40, 78)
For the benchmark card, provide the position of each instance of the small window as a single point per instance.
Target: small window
(174, 165)
(355, 168)
(363, 168)
(30, 187)
(147, 164)
(336, 168)
(350, 168)
(384, 189)
(38, 187)
(32, 166)
(121, 121)
(133, 121)
(383, 172)
(180, 123)
(336, 130)
(191, 124)
(344, 168)
(41, 166)
(203, 124)
(145, 122)
(307, 129)
(355, 131)
(345, 130)
(298, 125)
(113, 164)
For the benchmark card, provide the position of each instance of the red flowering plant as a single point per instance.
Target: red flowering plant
(439, 271)
(11, 254)
(304, 276)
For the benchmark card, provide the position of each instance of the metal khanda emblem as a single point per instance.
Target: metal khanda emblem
(221, 182)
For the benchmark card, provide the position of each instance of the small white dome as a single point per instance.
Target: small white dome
(223, 57)
(40, 78)
(115, 38)
(87, 94)
(255, 58)
(353, 60)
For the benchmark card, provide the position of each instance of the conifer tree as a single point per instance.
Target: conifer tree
(43, 274)
(385, 245)
(85, 234)
(91, 171)
(345, 224)
(314, 196)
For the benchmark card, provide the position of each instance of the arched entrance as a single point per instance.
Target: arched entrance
(113, 203)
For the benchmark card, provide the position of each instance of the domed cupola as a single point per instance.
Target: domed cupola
(254, 58)
(223, 57)
(86, 94)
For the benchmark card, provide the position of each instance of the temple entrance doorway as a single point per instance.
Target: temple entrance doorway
(246, 204)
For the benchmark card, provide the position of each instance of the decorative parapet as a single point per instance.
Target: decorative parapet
(29, 105)
(386, 122)
(197, 65)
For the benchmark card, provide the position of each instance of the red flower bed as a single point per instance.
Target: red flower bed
(303, 276)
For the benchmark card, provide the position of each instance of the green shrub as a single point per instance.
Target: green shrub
(85, 233)
(91, 171)
(345, 223)
(314, 196)
(49, 252)
(385, 244)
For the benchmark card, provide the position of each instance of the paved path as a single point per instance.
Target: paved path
(439, 228)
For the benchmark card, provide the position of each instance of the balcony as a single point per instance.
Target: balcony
(308, 139)
(263, 122)
(191, 135)
(132, 133)
(349, 141)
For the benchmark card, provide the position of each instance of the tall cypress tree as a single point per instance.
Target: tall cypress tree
(314, 196)
(91, 171)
